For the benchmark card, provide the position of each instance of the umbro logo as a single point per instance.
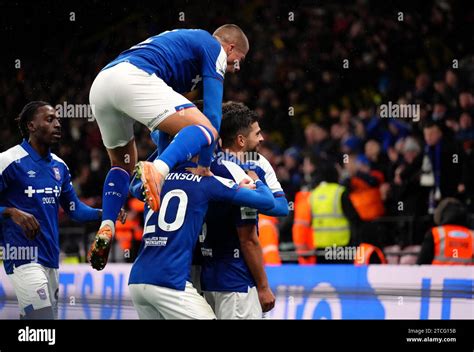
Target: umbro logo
(31, 173)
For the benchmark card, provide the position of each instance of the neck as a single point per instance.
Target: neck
(41, 148)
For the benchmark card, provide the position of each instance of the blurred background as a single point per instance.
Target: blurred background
(317, 74)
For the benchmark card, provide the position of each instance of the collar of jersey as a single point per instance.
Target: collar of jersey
(33, 153)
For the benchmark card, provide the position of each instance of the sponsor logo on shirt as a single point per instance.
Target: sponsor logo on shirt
(156, 241)
(247, 213)
(47, 190)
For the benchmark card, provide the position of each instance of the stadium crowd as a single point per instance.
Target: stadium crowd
(318, 77)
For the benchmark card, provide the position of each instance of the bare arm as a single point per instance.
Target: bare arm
(253, 256)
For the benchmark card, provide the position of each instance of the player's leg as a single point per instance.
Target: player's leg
(210, 298)
(114, 196)
(238, 305)
(150, 101)
(195, 132)
(187, 304)
(116, 129)
(145, 310)
(53, 287)
(30, 283)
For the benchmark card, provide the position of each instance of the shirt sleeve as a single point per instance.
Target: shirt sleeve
(214, 65)
(213, 59)
(270, 176)
(226, 190)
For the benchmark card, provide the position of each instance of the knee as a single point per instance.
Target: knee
(212, 129)
(126, 163)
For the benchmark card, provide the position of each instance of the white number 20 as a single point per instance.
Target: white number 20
(180, 214)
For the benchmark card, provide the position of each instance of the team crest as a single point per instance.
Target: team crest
(57, 175)
(42, 294)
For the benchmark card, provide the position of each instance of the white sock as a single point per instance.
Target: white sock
(162, 168)
(110, 223)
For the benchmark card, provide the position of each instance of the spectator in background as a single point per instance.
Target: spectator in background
(465, 130)
(288, 172)
(319, 141)
(408, 199)
(363, 186)
(443, 159)
(450, 242)
(330, 213)
(378, 161)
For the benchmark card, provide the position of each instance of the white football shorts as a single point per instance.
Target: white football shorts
(123, 94)
(36, 287)
(156, 302)
(235, 305)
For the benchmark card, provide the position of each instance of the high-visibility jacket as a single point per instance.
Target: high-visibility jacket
(302, 232)
(268, 235)
(126, 233)
(365, 251)
(330, 226)
(367, 199)
(453, 245)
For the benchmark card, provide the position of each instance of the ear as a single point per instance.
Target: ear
(240, 140)
(231, 48)
(31, 126)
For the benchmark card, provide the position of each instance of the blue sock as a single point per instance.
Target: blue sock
(187, 143)
(115, 193)
(205, 157)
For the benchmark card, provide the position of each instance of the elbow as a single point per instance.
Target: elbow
(268, 204)
(74, 216)
(282, 208)
(249, 242)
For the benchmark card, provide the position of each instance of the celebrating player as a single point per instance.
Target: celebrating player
(33, 183)
(233, 276)
(145, 83)
(160, 278)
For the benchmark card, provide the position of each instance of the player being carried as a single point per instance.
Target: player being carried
(145, 83)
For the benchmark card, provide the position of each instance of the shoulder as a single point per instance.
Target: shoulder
(58, 160)
(227, 182)
(264, 163)
(205, 36)
(237, 173)
(9, 156)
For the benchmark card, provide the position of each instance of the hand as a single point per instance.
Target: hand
(122, 216)
(252, 175)
(246, 183)
(266, 298)
(26, 221)
(392, 154)
(200, 170)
